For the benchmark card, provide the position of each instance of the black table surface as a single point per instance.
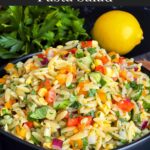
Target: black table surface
(91, 13)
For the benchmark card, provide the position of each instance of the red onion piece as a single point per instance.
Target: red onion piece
(135, 68)
(44, 61)
(144, 124)
(57, 144)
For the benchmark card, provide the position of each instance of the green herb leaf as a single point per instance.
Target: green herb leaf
(39, 113)
(75, 105)
(91, 113)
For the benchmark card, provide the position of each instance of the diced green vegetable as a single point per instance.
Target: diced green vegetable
(113, 56)
(135, 86)
(35, 141)
(127, 86)
(39, 113)
(117, 114)
(137, 90)
(61, 104)
(4, 111)
(137, 118)
(91, 50)
(102, 82)
(91, 113)
(96, 76)
(92, 92)
(135, 95)
(85, 143)
(1, 88)
(124, 141)
(47, 139)
(79, 53)
(146, 105)
(33, 92)
(71, 86)
(72, 98)
(75, 105)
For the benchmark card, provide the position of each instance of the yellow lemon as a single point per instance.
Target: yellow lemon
(117, 31)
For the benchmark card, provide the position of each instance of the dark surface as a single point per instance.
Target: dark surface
(90, 14)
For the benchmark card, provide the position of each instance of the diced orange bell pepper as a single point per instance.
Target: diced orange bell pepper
(123, 74)
(101, 69)
(85, 44)
(2, 80)
(81, 86)
(9, 104)
(21, 132)
(9, 66)
(61, 78)
(104, 59)
(102, 96)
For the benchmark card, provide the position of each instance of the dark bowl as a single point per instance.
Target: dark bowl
(10, 141)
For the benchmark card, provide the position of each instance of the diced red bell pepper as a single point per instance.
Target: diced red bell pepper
(101, 69)
(125, 105)
(85, 44)
(50, 96)
(73, 122)
(73, 50)
(29, 124)
(89, 121)
(46, 84)
(77, 121)
(41, 56)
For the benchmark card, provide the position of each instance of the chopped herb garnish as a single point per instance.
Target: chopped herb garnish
(113, 56)
(71, 86)
(91, 113)
(33, 92)
(92, 92)
(75, 105)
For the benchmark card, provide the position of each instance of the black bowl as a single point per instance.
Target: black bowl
(10, 141)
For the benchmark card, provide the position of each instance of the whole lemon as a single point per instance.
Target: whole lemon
(117, 31)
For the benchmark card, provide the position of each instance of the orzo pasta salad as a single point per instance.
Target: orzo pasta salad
(75, 97)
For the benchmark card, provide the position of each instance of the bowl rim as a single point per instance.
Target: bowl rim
(15, 138)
